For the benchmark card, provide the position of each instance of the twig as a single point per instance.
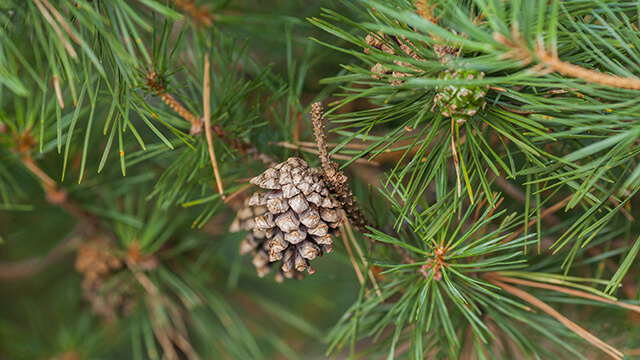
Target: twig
(336, 180)
(161, 334)
(55, 195)
(26, 268)
(47, 182)
(239, 191)
(206, 94)
(578, 72)
(610, 350)
(161, 90)
(332, 145)
(520, 51)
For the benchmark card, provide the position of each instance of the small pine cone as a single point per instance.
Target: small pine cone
(460, 102)
(300, 220)
(98, 266)
(93, 257)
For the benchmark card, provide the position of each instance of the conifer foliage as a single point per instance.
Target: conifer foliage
(469, 190)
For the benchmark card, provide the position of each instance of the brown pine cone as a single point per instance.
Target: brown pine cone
(108, 300)
(301, 215)
(256, 242)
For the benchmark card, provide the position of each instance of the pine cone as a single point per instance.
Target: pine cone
(256, 242)
(109, 297)
(301, 216)
(460, 102)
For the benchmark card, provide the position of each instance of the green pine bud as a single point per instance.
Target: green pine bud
(460, 102)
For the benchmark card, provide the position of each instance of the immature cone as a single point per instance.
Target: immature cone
(460, 102)
(109, 297)
(301, 215)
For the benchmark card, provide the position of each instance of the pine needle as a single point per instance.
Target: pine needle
(351, 257)
(578, 293)
(610, 350)
(206, 94)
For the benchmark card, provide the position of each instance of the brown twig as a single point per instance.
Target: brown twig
(520, 51)
(523, 295)
(336, 180)
(157, 85)
(161, 334)
(183, 344)
(578, 72)
(206, 101)
(23, 144)
(26, 268)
